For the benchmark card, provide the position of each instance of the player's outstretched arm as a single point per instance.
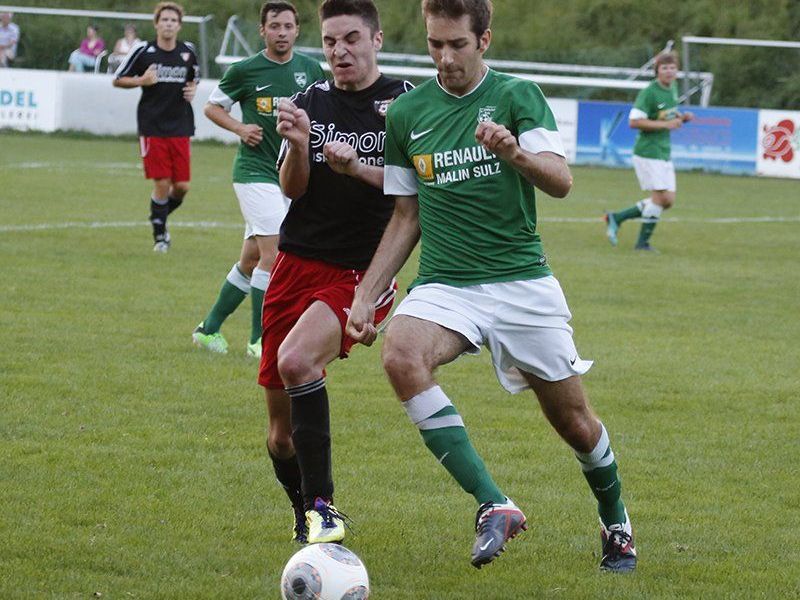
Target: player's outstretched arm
(250, 134)
(547, 171)
(294, 127)
(398, 241)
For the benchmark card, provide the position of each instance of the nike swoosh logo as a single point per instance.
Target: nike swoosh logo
(605, 489)
(416, 136)
(263, 87)
(661, 105)
(441, 460)
(572, 361)
(486, 545)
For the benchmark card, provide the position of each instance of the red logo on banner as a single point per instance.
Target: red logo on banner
(777, 141)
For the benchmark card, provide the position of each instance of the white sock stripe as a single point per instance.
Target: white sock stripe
(426, 404)
(441, 422)
(597, 457)
(306, 388)
(259, 279)
(237, 278)
(159, 201)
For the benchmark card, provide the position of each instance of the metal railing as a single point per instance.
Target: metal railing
(201, 22)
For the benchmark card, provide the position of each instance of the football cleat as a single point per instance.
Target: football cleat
(300, 529)
(495, 524)
(213, 342)
(611, 228)
(619, 553)
(254, 350)
(161, 243)
(324, 522)
(645, 247)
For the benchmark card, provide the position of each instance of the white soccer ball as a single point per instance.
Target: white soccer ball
(324, 572)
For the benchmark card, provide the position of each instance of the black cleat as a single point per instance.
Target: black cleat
(646, 247)
(495, 524)
(300, 531)
(619, 553)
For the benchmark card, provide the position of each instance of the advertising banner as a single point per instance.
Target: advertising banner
(28, 99)
(723, 140)
(779, 143)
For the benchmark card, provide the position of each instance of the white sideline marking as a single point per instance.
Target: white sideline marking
(221, 225)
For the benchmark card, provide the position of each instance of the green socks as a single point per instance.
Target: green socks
(233, 292)
(633, 212)
(600, 470)
(444, 434)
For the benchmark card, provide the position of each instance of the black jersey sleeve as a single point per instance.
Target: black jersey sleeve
(133, 65)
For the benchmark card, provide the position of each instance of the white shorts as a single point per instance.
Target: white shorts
(654, 174)
(263, 207)
(524, 324)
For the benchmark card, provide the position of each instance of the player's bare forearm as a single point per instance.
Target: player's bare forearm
(250, 134)
(295, 172)
(398, 241)
(653, 125)
(369, 174)
(547, 171)
(127, 82)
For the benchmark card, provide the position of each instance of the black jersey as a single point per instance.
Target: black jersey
(339, 219)
(162, 110)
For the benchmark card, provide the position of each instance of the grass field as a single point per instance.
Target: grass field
(133, 465)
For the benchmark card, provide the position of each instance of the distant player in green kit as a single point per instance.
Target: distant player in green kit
(654, 114)
(257, 84)
(463, 153)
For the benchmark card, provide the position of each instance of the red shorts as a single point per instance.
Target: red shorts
(295, 284)
(166, 158)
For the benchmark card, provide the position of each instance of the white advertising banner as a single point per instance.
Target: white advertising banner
(29, 99)
(778, 143)
(566, 114)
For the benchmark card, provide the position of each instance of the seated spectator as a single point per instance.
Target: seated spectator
(122, 47)
(9, 36)
(85, 57)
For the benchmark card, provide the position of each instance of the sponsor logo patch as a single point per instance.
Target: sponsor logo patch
(264, 104)
(424, 165)
(781, 141)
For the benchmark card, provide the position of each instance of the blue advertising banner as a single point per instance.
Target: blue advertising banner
(723, 140)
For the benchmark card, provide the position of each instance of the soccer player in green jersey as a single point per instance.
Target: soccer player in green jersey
(655, 114)
(257, 84)
(463, 154)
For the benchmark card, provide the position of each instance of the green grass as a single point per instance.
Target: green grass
(133, 465)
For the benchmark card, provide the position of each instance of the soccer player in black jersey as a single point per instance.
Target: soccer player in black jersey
(331, 169)
(166, 69)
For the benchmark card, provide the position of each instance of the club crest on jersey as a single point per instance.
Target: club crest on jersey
(301, 79)
(186, 56)
(382, 106)
(486, 113)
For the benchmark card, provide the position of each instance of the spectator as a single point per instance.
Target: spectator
(85, 57)
(9, 36)
(123, 47)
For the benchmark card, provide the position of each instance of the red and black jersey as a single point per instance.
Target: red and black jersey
(340, 220)
(162, 110)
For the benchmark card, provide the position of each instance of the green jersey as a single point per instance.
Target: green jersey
(656, 103)
(257, 84)
(477, 213)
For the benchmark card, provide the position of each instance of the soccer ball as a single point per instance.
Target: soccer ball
(324, 572)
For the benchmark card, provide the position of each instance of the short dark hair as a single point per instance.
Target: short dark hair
(665, 58)
(162, 6)
(479, 11)
(365, 9)
(277, 7)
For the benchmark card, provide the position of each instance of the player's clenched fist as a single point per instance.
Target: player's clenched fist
(251, 134)
(497, 140)
(293, 123)
(150, 76)
(189, 90)
(341, 157)
(361, 322)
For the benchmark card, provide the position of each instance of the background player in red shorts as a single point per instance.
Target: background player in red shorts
(166, 70)
(331, 168)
